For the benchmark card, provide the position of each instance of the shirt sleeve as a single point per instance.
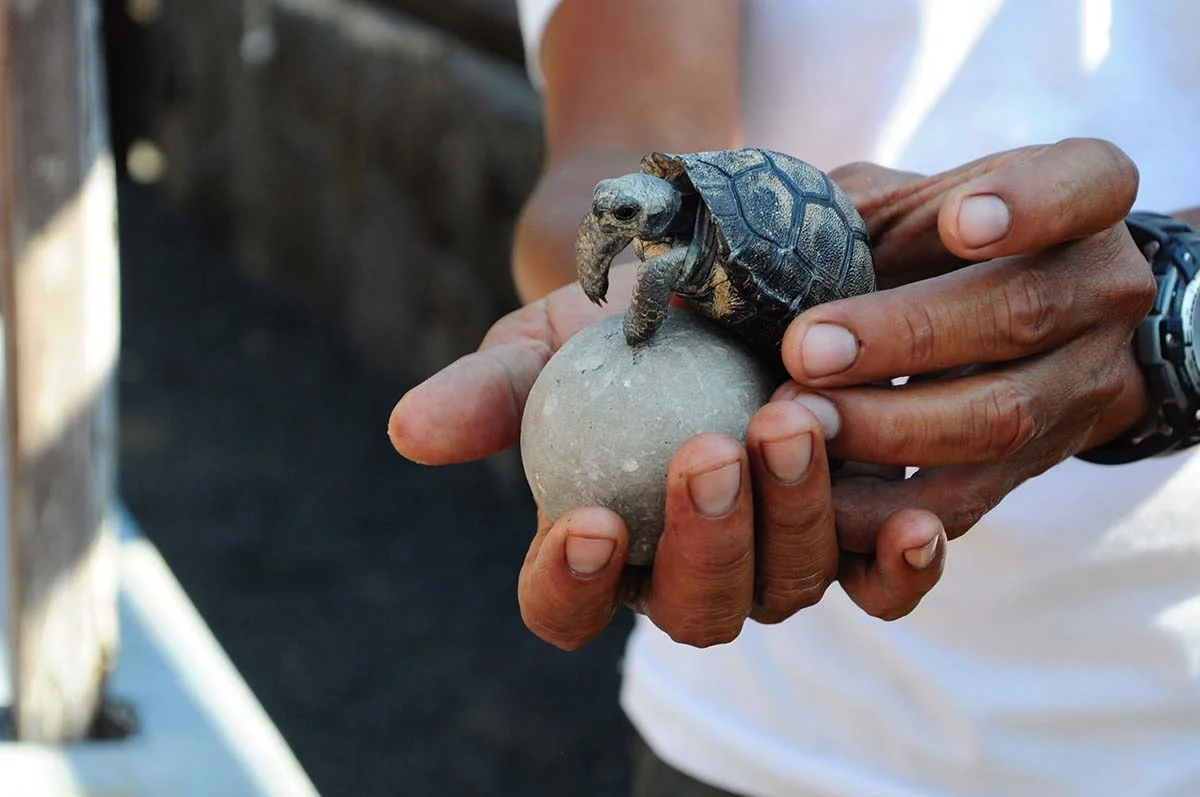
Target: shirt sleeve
(533, 16)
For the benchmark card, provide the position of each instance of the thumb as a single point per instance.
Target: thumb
(1072, 189)
(470, 409)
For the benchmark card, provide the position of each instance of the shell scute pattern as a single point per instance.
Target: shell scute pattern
(794, 237)
(783, 237)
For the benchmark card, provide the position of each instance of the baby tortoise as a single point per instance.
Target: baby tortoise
(748, 237)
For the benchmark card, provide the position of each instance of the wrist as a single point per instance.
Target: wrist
(1190, 216)
(1164, 348)
(543, 253)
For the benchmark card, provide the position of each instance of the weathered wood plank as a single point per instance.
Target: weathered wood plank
(60, 304)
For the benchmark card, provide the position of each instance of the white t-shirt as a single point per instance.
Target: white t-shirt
(1060, 654)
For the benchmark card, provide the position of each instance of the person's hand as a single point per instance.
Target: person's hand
(772, 553)
(1017, 362)
(749, 529)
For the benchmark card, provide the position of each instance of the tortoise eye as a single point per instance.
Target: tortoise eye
(625, 212)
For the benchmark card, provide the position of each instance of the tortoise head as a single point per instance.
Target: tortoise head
(636, 205)
(623, 208)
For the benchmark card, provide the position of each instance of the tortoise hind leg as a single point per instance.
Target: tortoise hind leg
(657, 279)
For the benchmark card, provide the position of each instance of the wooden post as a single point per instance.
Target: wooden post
(59, 288)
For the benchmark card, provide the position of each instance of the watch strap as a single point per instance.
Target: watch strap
(1163, 345)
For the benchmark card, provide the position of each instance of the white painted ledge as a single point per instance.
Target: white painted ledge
(203, 734)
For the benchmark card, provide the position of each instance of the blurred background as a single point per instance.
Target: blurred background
(316, 200)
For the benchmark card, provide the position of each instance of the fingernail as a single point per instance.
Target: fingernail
(828, 349)
(788, 459)
(826, 413)
(714, 493)
(920, 558)
(983, 220)
(587, 555)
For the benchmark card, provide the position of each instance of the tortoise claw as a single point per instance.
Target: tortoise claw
(597, 293)
(657, 280)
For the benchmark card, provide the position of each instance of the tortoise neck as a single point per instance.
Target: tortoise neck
(702, 251)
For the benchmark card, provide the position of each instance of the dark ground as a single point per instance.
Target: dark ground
(368, 602)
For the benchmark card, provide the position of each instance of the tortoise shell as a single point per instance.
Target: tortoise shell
(789, 237)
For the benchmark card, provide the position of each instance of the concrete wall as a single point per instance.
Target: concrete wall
(362, 162)
(487, 25)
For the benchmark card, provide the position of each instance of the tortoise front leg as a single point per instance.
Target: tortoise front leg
(594, 253)
(657, 279)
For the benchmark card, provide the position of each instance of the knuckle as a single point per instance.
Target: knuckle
(801, 517)
(1026, 315)
(717, 563)
(1002, 421)
(784, 596)
(1124, 287)
(915, 432)
(979, 499)
(701, 634)
(919, 329)
(799, 559)
(556, 623)
(1134, 300)
(1143, 292)
(1137, 286)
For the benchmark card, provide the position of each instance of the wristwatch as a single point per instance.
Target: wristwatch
(1165, 345)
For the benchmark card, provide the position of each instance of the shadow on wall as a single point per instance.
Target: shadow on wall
(368, 167)
(353, 157)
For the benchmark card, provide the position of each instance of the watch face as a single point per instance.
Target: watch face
(1189, 313)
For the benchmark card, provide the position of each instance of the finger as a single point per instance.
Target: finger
(961, 494)
(702, 585)
(991, 312)
(909, 558)
(958, 495)
(901, 212)
(862, 180)
(1033, 197)
(981, 417)
(568, 586)
(796, 552)
(1063, 192)
(472, 408)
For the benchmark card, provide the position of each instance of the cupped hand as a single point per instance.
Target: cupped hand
(749, 528)
(1011, 292)
(749, 535)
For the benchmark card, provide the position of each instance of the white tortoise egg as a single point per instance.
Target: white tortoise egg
(604, 419)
